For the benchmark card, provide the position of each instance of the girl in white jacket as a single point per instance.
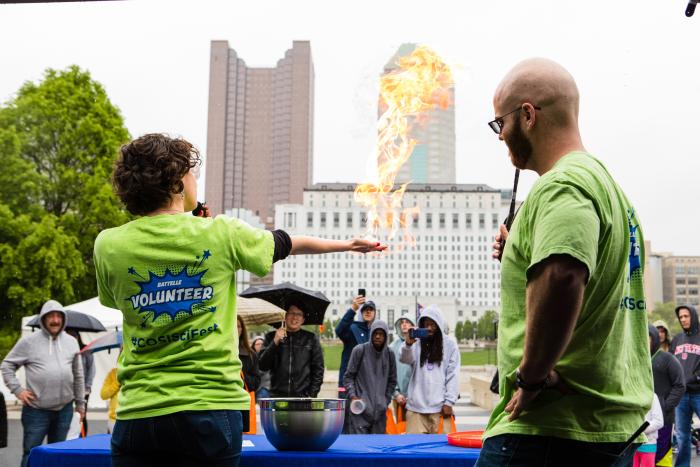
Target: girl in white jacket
(434, 385)
(645, 455)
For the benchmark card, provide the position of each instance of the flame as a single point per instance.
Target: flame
(421, 83)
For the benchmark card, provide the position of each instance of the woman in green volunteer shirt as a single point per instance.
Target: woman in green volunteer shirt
(173, 277)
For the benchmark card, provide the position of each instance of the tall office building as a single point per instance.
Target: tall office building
(433, 157)
(681, 279)
(260, 131)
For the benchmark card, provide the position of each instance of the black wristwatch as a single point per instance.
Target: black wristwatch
(530, 387)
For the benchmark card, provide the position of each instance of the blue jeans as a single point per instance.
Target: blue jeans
(539, 451)
(189, 438)
(40, 423)
(684, 413)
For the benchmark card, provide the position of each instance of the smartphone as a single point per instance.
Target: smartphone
(418, 333)
(362, 292)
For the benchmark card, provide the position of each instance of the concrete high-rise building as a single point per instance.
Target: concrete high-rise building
(653, 276)
(681, 278)
(450, 263)
(260, 131)
(433, 157)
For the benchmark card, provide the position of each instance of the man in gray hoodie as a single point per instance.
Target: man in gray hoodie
(54, 375)
(371, 377)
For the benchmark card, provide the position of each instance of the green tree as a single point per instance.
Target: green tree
(58, 142)
(467, 330)
(68, 131)
(485, 326)
(459, 328)
(39, 261)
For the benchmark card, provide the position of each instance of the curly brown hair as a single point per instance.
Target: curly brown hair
(149, 171)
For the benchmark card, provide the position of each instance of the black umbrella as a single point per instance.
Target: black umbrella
(76, 321)
(312, 303)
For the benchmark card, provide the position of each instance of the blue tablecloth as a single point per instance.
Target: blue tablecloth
(347, 451)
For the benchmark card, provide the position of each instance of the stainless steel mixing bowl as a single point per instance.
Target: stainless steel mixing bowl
(300, 424)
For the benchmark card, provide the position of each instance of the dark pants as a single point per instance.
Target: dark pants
(189, 438)
(359, 425)
(40, 423)
(343, 394)
(663, 442)
(540, 451)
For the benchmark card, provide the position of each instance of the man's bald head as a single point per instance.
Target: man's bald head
(544, 83)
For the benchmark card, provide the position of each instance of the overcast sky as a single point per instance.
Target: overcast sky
(637, 65)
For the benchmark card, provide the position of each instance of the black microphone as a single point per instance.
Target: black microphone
(690, 9)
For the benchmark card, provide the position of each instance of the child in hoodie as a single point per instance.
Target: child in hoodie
(371, 377)
(646, 453)
(403, 371)
(434, 386)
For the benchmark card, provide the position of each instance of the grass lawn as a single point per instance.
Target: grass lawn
(331, 355)
(480, 357)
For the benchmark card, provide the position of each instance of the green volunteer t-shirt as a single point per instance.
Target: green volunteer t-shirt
(578, 210)
(174, 279)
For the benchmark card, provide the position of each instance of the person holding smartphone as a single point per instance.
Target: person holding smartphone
(434, 385)
(353, 332)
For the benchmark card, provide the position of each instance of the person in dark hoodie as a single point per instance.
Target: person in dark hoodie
(353, 333)
(669, 386)
(371, 377)
(54, 377)
(686, 347)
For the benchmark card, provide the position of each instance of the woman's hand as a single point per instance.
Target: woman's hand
(361, 245)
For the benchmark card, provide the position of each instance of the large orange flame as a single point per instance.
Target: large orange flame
(421, 83)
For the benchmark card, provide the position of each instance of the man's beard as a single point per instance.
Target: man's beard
(519, 146)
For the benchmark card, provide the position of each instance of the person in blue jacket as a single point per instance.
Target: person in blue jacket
(352, 333)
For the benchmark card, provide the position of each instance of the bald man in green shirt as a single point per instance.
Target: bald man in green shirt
(576, 378)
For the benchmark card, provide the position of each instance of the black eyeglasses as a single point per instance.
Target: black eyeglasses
(497, 123)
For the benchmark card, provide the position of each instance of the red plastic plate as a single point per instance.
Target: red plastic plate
(465, 439)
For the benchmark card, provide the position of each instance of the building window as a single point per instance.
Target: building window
(348, 220)
(692, 291)
(482, 220)
(429, 220)
(336, 220)
(460, 313)
(473, 311)
(469, 220)
(363, 220)
(323, 220)
(442, 220)
(415, 221)
(680, 280)
(390, 315)
(309, 219)
(455, 221)
(494, 220)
